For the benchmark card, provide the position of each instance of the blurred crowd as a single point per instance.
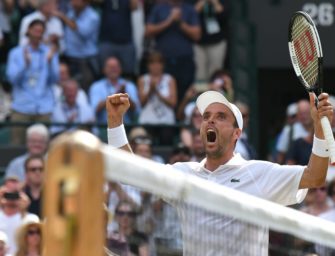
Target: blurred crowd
(59, 60)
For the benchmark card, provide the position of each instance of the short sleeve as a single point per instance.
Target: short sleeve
(280, 183)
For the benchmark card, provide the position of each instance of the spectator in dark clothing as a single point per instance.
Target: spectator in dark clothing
(9, 24)
(127, 240)
(118, 41)
(299, 150)
(175, 27)
(34, 168)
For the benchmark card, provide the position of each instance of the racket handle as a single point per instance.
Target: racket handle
(328, 133)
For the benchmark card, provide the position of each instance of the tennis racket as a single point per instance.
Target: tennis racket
(306, 56)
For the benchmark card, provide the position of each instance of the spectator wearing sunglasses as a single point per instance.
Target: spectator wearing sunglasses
(29, 239)
(13, 211)
(127, 240)
(34, 169)
(142, 146)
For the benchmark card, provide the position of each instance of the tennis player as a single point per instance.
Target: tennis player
(206, 233)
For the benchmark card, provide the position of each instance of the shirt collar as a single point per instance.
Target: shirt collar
(236, 160)
(40, 48)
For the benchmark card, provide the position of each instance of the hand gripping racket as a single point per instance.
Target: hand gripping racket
(306, 56)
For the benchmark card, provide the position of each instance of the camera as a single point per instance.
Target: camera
(11, 195)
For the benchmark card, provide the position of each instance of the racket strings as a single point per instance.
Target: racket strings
(305, 49)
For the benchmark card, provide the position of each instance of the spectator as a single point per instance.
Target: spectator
(175, 27)
(299, 130)
(300, 149)
(127, 240)
(197, 147)
(9, 24)
(30, 239)
(180, 153)
(69, 110)
(330, 216)
(243, 146)
(187, 104)
(157, 92)
(37, 137)
(13, 212)
(64, 76)
(186, 133)
(32, 69)
(3, 244)
(221, 81)
(319, 201)
(210, 50)
(291, 113)
(53, 27)
(118, 42)
(158, 96)
(34, 169)
(137, 131)
(143, 147)
(81, 36)
(290, 119)
(319, 204)
(113, 83)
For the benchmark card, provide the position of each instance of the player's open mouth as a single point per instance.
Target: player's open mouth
(211, 135)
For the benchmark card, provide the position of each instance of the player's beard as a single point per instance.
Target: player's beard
(216, 154)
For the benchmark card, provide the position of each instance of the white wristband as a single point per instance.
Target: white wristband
(320, 147)
(117, 136)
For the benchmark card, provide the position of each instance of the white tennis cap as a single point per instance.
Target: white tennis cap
(209, 97)
(292, 109)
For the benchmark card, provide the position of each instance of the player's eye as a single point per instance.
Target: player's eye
(221, 116)
(205, 116)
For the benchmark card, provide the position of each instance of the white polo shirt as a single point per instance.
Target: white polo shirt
(206, 233)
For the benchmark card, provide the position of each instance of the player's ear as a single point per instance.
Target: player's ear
(237, 133)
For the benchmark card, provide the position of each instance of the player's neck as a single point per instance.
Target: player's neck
(212, 163)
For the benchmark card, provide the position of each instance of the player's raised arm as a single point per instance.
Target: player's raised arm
(116, 106)
(316, 170)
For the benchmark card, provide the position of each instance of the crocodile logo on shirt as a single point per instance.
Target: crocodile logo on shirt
(235, 180)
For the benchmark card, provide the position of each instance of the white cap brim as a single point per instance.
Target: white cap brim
(209, 97)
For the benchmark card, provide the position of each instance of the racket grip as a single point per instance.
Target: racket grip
(328, 133)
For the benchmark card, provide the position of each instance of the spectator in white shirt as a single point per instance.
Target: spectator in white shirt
(54, 29)
(70, 111)
(64, 76)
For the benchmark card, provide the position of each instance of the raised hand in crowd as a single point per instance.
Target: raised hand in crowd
(53, 50)
(27, 56)
(175, 14)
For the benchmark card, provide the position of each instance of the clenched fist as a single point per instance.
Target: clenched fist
(116, 106)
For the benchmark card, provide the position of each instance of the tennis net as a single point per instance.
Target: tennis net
(216, 220)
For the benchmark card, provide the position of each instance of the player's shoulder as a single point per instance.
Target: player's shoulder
(186, 166)
(258, 166)
(328, 215)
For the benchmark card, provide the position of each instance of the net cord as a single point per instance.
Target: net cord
(165, 181)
